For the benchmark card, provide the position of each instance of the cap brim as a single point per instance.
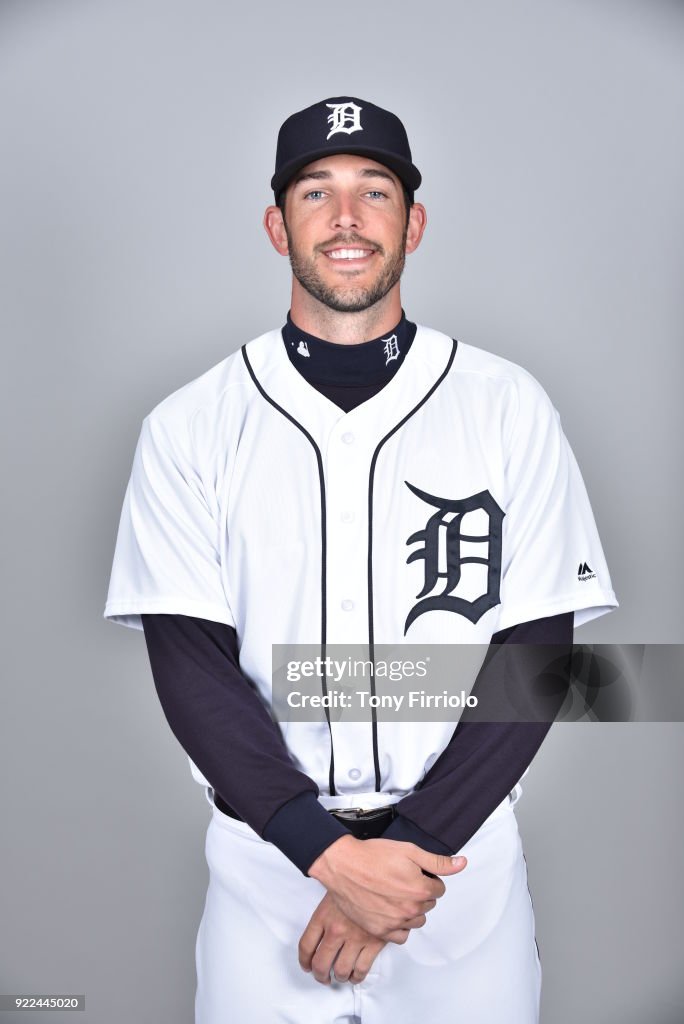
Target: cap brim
(404, 169)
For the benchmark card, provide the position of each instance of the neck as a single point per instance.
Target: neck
(315, 318)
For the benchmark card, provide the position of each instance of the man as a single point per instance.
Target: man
(354, 479)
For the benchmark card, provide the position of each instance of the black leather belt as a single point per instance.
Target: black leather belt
(365, 824)
(362, 824)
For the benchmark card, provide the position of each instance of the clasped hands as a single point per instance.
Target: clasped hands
(377, 891)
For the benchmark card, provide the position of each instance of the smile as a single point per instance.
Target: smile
(349, 254)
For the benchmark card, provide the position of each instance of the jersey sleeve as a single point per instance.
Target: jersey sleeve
(167, 555)
(552, 559)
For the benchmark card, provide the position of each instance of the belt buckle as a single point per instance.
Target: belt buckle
(358, 813)
(348, 813)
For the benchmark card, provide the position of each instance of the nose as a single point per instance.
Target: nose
(345, 213)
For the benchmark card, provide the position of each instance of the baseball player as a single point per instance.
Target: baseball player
(354, 478)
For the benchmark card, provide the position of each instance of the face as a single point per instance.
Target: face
(345, 231)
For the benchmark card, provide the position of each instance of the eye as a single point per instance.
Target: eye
(314, 192)
(376, 192)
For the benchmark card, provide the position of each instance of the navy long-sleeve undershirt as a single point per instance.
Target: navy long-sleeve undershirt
(224, 726)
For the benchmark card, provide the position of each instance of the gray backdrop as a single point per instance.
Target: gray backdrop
(137, 144)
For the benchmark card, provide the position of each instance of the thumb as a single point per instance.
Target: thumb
(439, 863)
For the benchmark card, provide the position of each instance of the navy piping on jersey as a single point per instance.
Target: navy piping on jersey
(371, 628)
(321, 480)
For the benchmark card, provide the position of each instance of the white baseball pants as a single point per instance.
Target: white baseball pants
(474, 962)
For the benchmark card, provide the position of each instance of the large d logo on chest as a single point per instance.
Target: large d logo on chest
(448, 544)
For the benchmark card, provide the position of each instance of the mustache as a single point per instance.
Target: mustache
(351, 243)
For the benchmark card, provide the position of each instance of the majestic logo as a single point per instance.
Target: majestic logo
(345, 117)
(584, 573)
(445, 534)
(303, 349)
(391, 349)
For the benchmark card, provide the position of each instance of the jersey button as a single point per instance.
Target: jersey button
(347, 517)
(347, 605)
(354, 774)
(348, 438)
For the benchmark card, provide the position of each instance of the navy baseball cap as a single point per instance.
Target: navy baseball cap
(343, 124)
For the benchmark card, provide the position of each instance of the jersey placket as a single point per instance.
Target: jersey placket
(347, 460)
(347, 446)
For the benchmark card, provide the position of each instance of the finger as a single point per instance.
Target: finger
(312, 935)
(438, 863)
(415, 922)
(365, 961)
(323, 959)
(433, 887)
(426, 905)
(398, 935)
(346, 960)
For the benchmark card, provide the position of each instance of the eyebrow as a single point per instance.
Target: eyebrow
(366, 172)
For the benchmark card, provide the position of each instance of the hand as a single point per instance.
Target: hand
(381, 884)
(331, 938)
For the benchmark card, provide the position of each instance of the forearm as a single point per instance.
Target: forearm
(483, 766)
(225, 728)
(484, 760)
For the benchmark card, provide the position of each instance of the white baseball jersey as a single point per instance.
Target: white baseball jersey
(445, 508)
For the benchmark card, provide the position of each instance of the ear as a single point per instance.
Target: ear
(416, 226)
(275, 229)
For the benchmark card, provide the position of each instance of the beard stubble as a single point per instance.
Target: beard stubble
(347, 298)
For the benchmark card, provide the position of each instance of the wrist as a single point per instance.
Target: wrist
(327, 864)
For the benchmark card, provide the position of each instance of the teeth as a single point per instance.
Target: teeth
(348, 254)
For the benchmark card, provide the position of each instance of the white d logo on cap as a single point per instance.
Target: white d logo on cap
(345, 117)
